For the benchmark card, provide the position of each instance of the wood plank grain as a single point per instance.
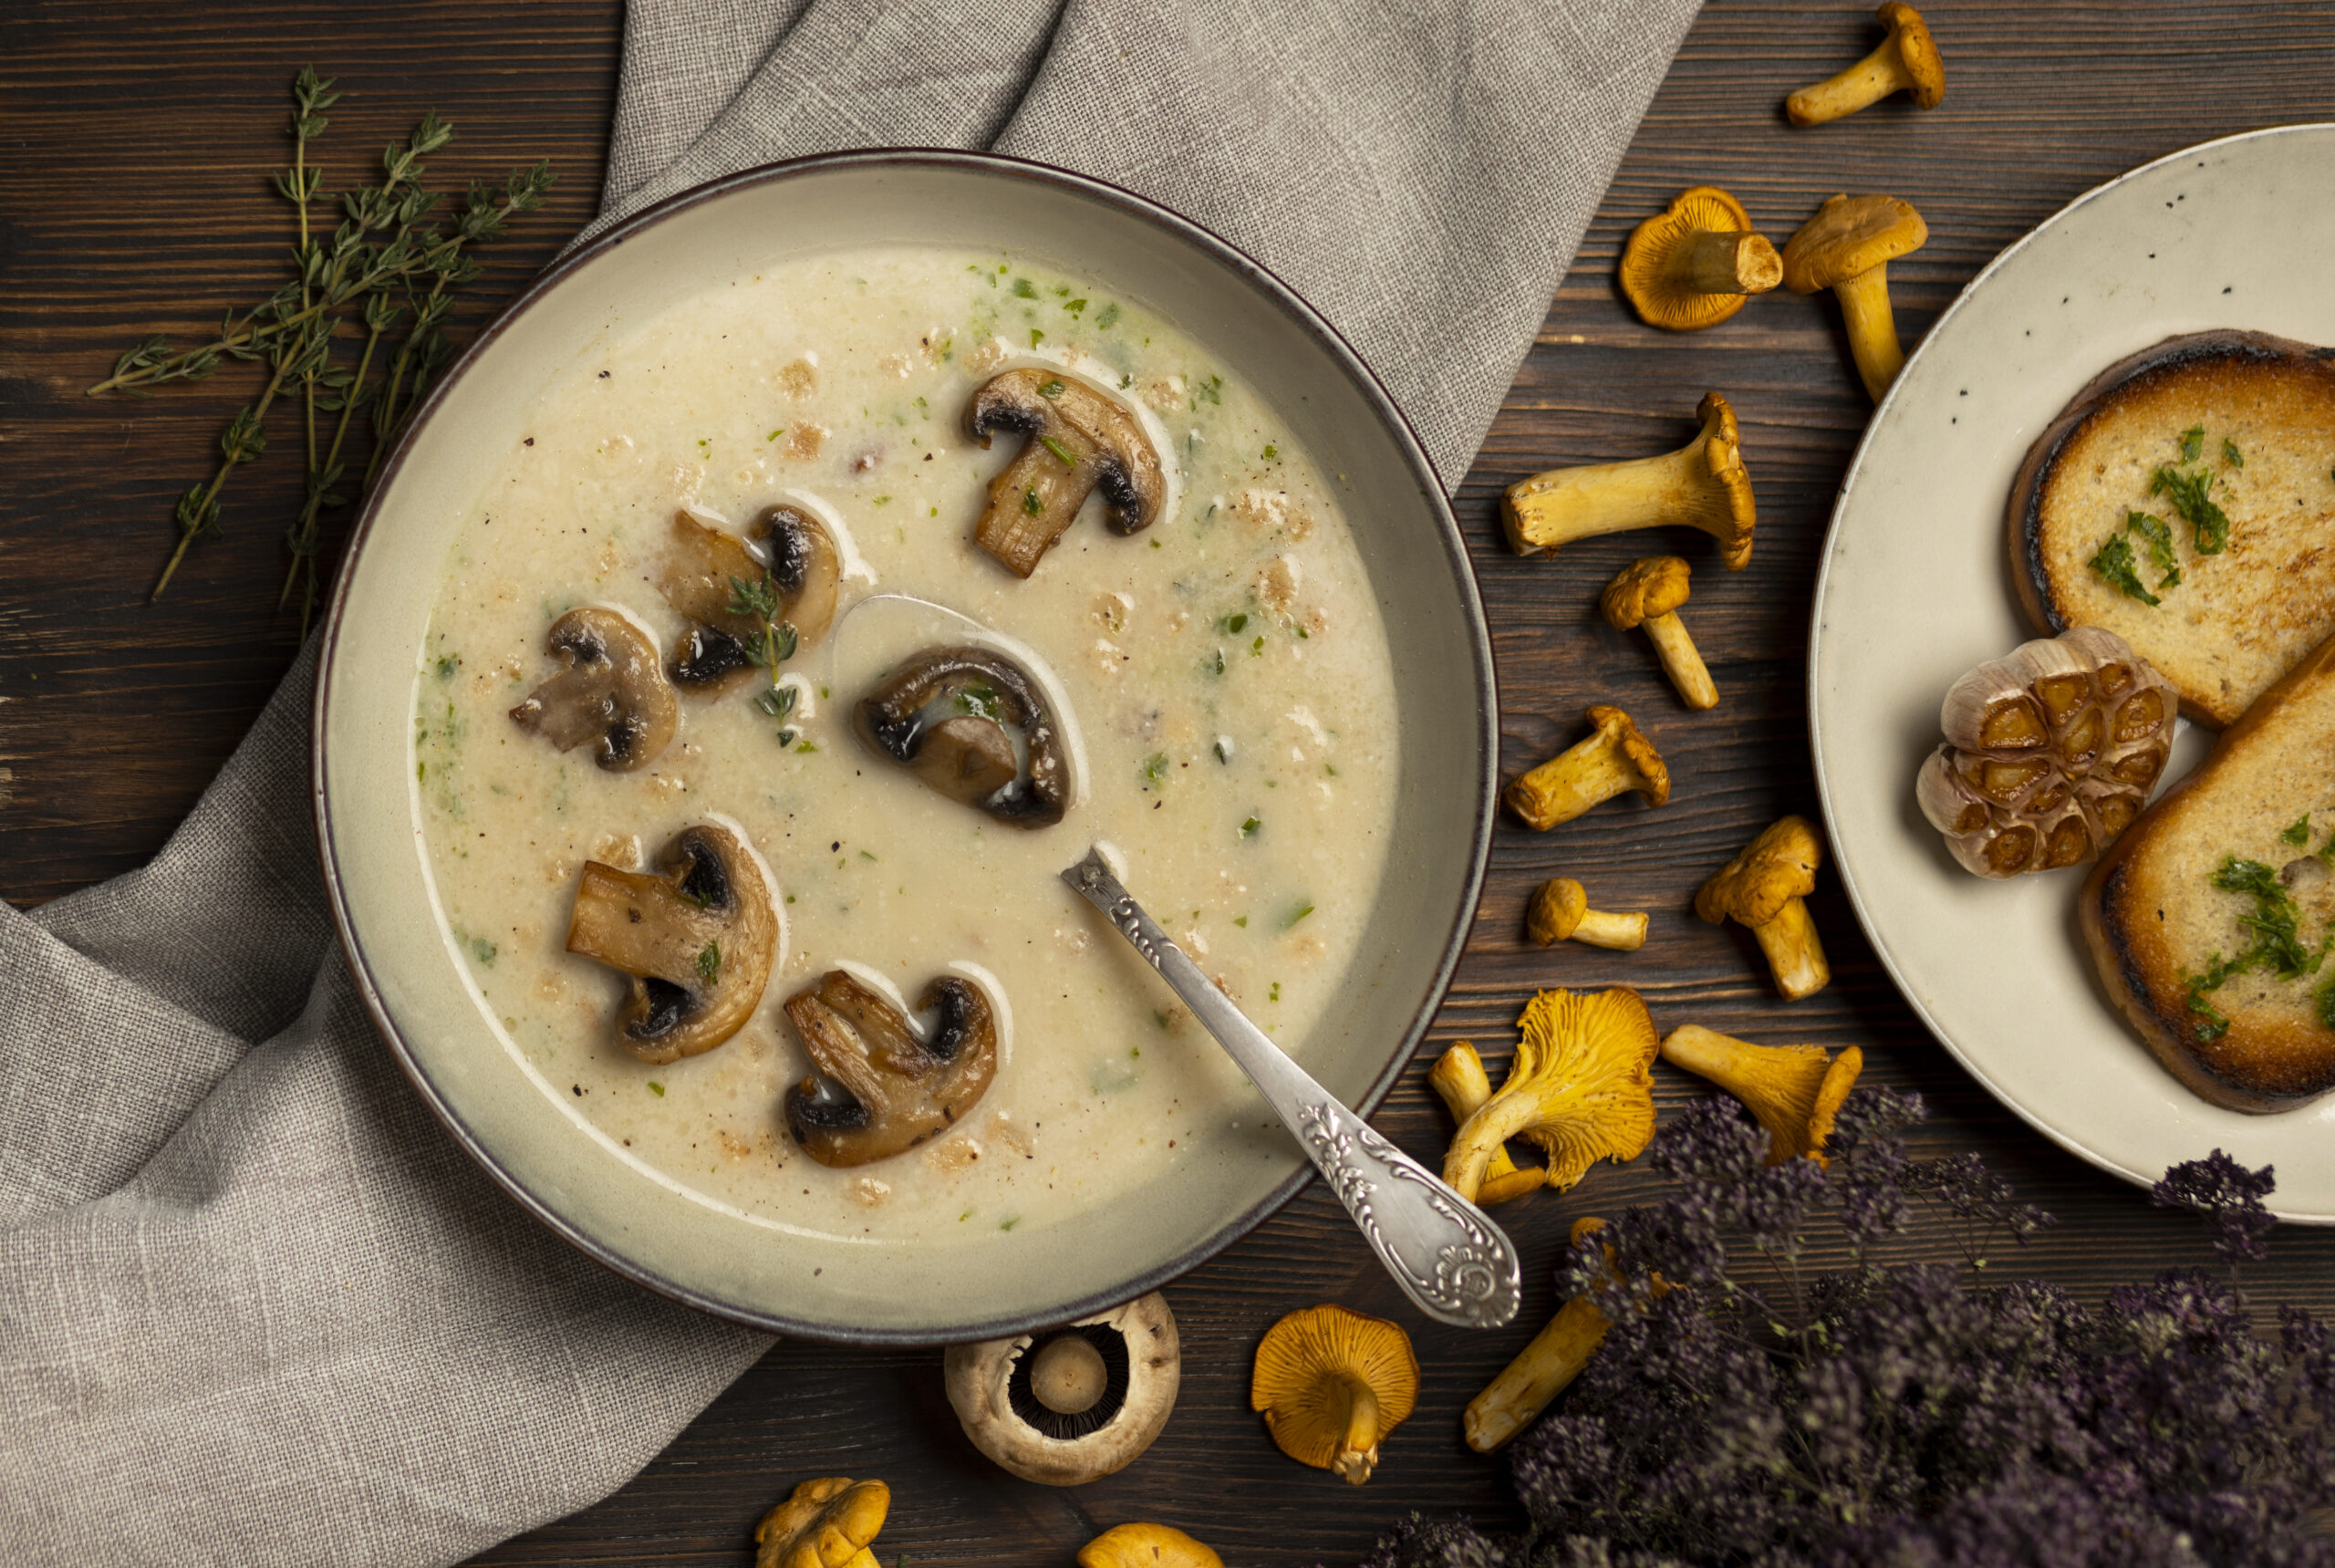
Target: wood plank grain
(133, 146)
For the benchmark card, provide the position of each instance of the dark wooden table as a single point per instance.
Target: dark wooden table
(134, 140)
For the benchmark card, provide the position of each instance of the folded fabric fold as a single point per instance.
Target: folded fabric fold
(255, 1306)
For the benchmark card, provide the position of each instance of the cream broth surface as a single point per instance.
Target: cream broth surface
(1226, 672)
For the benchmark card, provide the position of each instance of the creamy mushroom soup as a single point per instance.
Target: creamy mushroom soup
(1222, 697)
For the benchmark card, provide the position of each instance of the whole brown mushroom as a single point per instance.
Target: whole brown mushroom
(1067, 1408)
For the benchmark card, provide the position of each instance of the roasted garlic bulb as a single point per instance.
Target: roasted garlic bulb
(2050, 752)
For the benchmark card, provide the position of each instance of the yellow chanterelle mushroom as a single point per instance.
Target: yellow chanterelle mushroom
(1541, 1370)
(1332, 1384)
(1847, 247)
(1582, 1087)
(826, 1523)
(1792, 1091)
(1147, 1546)
(1647, 593)
(1762, 889)
(1702, 485)
(1559, 912)
(1908, 61)
(1615, 760)
(1696, 264)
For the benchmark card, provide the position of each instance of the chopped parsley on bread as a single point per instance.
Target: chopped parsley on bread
(2210, 919)
(2185, 501)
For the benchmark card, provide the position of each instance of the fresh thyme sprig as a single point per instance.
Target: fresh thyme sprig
(386, 259)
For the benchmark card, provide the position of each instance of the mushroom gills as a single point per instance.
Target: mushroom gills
(879, 1087)
(696, 939)
(1038, 1398)
(736, 601)
(1080, 442)
(610, 692)
(970, 723)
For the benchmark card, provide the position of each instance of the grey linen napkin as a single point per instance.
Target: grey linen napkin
(255, 1307)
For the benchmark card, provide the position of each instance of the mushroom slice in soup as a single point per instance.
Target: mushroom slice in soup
(697, 938)
(953, 716)
(880, 1088)
(736, 604)
(1080, 441)
(611, 691)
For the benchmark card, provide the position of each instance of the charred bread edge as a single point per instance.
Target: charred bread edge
(2026, 508)
(2120, 969)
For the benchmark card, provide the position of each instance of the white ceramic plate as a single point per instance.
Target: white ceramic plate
(519, 1127)
(1915, 589)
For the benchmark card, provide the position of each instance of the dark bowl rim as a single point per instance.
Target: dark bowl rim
(1291, 304)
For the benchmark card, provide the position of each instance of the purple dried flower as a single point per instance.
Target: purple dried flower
(2228, 1197)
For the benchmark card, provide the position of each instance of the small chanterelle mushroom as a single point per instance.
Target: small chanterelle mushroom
(1458, 1078)
(1582, 1087)
(1761, 889)
(611, 691)
(826, 1523)
(1332, 1384)
(1702, 485)
(1791, 1091)
(1147, 1546)
(881, 1086)
(2050, 752)
(697, 936)
(747, 614)
(1613, 761)
(1697, 264)
(972, 725)
(1065, 1407)
(1647, 593)
(1847, 247)
(1081, 441)
(1906, 61)
(1559, 912)
(1541, 1370)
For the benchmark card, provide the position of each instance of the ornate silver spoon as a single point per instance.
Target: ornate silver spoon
(1450, 1259)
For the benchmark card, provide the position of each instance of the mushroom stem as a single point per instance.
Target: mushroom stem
(1873, 327)
(1866, 83)
(1602, 928)
(1358, 1449)
(1458, 1076)
(1541, 1372)
(1793, 951)
(1569, 503)
(1715, 262)
(1682, 660)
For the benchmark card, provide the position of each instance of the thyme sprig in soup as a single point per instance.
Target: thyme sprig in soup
(777, 506)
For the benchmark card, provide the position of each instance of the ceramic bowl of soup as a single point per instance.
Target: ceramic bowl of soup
(1206, 607)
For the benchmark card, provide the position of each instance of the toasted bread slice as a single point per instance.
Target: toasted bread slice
(2236, 620)
(2156, 916)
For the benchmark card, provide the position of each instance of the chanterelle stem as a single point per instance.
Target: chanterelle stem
(1867, 82)
(1793, 951)
(1358, 1450)
(1717, 262)
(1873, 327)
(1538, 1375)
(1681, 660)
